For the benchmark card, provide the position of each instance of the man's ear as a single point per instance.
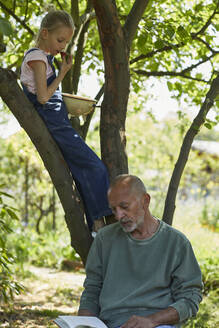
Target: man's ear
(146, 200)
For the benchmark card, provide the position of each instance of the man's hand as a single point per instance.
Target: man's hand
(167, 316)
(139, 322)
(85, 312)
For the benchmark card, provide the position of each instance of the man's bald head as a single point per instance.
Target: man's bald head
(132, 182)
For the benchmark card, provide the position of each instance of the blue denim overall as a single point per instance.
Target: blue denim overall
(88, 171)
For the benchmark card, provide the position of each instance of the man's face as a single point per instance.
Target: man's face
(127, 207)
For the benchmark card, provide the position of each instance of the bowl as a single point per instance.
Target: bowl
(77, 105)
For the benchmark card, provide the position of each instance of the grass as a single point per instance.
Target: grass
(205, 243)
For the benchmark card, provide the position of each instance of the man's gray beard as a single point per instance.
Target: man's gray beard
(134, 225)
(130, 228)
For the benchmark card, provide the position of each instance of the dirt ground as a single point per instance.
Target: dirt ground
(48, 293)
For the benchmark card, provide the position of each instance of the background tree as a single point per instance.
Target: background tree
(140, 39)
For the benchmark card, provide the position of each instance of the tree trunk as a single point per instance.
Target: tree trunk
(116, 90)
(26, 192)
(54, 162)
(185, 149)
(53, 201)
(116, 42)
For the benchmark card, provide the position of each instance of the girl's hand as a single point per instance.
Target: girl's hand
(66, 62)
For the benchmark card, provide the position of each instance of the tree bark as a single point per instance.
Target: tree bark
(54, 162)
(26, 192)
(53, 201)
(116, 90)
(185, 149)
(115, 41)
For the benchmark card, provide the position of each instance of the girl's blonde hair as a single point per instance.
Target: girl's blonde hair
(53, 20)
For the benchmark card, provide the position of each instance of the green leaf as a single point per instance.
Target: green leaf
(170, 86)
(159, 44)
(199, 76)
(141, 43)
(154, 66)
(182, 32)
(5, 194)
(199, 7)
(208, 126)
(170, 31)
(12, 214)
(5, 27)
(149, 24)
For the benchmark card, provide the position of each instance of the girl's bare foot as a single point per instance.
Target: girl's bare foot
(98, 224)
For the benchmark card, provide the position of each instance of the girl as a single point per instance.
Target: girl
(40, 84)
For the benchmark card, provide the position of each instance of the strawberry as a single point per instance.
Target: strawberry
(63, 54)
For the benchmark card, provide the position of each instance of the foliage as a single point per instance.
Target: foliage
(208, 313)
(8, 286)
(210, 275)
(47, 250)
(27, 179)
(5, 27)
(174, 40)
(205, 243)
(210, 215)
(152, 155)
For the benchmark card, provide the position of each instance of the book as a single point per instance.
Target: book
(70, 321)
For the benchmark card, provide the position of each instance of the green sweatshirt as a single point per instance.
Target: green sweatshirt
(126, 276)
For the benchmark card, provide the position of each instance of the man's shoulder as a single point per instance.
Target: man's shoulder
(110, 231)
(173, 232)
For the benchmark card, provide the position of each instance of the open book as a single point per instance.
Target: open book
(70, 321)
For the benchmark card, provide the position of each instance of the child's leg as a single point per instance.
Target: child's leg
(88, 171)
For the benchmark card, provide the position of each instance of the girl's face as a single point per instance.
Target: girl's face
(55, 41)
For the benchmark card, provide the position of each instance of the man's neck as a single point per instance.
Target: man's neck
(147, 229)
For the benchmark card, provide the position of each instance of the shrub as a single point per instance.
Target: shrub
(44, 250)
(210, 216)
(8, 286)
(210, 274)
(207, 316)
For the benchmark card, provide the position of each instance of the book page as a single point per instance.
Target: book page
(74, 321)
(61, 323)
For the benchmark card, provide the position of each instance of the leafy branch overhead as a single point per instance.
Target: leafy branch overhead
(163, 41)
(173, 40)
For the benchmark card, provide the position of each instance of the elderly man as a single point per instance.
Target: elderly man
(140, 272)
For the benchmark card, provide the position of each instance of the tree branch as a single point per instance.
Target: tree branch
(52, 157)
(160, 73)
(9, 11)
(78, 56)
(75, 12)
(194, 36)
(157, 51)
(86, 125)
(59, 4)
(182, 73)
(133, 19)
(185, 149)
(206, 44)
(198, 64)
(207, 24)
